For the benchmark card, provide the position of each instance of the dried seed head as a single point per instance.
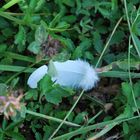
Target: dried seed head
(51, 47)
(9, 105)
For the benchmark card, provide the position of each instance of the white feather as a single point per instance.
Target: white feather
(36, 76)
(71, 73)
(75, 74)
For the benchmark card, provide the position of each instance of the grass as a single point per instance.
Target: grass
(105, 34)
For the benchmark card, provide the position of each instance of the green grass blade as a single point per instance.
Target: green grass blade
(83, 130)
(18, 56)
(130, 78)
(130, 28)
(51, 118)
(119, 74)
(7, 16)
(10, 4)
(104, 131)
(16, 68)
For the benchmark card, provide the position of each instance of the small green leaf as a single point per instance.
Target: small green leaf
(48, 131)
(88, 3)
(14, 82)
(63, 56)
(15, 135)
(69, 2)
(7, 32)
(134, 64)
(3, 47)
(6, 61)
(51, 69)
(23, 111)
(30, 94)
(41, 34)
(32, 4)
(125, 128)
(117, 37)
(34, 47)
(45, 84)
(80, 118)
(77, 53)
(3, 89)
(105, 8)
(53, 92)
(114, 4)
(105, 12)
(38, 136)
(137, 89)
(20, 39)
(62, 25)
(57, 93)
(13, 125)
(88, 55)
(53, 97)
(126, 88)
(137, 41)
(127, 91)
(3, 23)
(66, 42)
(69, 18)
(39, 5)
(134, 137)
(98, 43)
(55, 20)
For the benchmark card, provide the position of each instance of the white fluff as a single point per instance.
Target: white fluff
(71, 73)
(36, 76)
(75, 74)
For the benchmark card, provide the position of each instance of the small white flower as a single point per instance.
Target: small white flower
(71, 73)
(36, 76)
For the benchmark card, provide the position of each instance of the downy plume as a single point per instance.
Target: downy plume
(36, 76)
(71, 73)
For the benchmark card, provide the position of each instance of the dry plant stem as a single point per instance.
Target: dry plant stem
(106, 45)
(66, 116)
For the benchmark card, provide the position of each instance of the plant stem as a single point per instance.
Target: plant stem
(51, 118)
(94, 117)
(96, 100)
(130, 30)
(130, 79)
(66, 116)
(10, 4)
(106, 45)
(93, 127)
